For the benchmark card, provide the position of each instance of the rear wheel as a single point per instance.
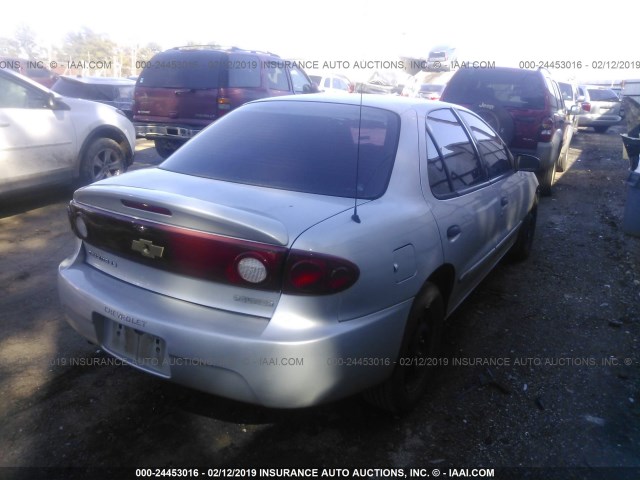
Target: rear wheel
(547, 180)
(563, 160)
(522, 248)
(415, 366)
(104, 158)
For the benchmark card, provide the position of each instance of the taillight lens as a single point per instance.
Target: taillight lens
(310, 273)
(546, 129)
(224, 105)
(586, 106)
(212, 257)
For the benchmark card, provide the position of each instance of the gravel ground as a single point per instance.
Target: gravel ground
(542, 376)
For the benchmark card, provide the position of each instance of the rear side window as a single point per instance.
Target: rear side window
(307, 147)
(490, 145)
(244, 71)
(438, 179)
(193, 69)
(459, 156)
(508, 88)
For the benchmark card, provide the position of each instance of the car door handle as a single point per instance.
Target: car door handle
(504, 201)
(453, 231)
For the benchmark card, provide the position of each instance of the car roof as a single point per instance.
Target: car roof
(394, 103)
(99, 80)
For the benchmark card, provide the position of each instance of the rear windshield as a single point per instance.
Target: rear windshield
(195, 69)
(507, 88)
(307, 147)
(602, 95)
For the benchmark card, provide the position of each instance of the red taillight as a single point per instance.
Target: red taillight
(209, 256)
(310, 273)
(546, 129)
(586, 106)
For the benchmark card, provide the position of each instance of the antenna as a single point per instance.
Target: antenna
(355, 217)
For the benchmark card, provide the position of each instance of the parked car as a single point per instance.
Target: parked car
(47, 139)
(430, 91)
(569, 93)
(117, 92)
(300, 249)
(441, 58)
(182, 90)
(385, 82)
(332, 82)
(525, 107)
(36, 70)
(601, 107)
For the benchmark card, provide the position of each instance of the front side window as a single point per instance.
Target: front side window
(313, 147)
(459, 156)
(490, 145)
(15, 95)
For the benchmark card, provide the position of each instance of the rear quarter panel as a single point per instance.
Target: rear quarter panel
(396, 245)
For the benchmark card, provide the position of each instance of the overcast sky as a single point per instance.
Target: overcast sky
(504, 31)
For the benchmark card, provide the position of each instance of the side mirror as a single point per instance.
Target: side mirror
(575, 109)
(54, 103)
(527, 163)
(310, 88)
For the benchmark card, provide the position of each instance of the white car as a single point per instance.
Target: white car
(48, 139)
(332, 83)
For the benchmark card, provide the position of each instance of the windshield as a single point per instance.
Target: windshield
(301, 146)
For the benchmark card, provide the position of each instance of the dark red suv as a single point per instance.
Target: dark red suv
(525, 107)
(182, 90)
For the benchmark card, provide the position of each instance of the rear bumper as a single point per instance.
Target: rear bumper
(598, 120)
(152, 131)
(544, 151)
(288, 361)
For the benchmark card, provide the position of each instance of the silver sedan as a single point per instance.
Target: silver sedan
(299, 250)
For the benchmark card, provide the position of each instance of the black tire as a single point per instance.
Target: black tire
(601, 129)
(166, 147)
(500, 120)
(547, 180)
(104, 158)
(420, 345)
(522, 248)
(563, 160)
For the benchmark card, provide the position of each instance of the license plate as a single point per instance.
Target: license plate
(139, 349)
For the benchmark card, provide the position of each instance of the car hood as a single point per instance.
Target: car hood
(249, 212)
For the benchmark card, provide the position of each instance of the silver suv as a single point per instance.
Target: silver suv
(601, 107)
(47, 139)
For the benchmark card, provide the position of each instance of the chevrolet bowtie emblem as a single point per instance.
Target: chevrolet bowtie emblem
(147, 248)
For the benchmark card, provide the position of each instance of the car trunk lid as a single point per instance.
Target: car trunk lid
(184, 236)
